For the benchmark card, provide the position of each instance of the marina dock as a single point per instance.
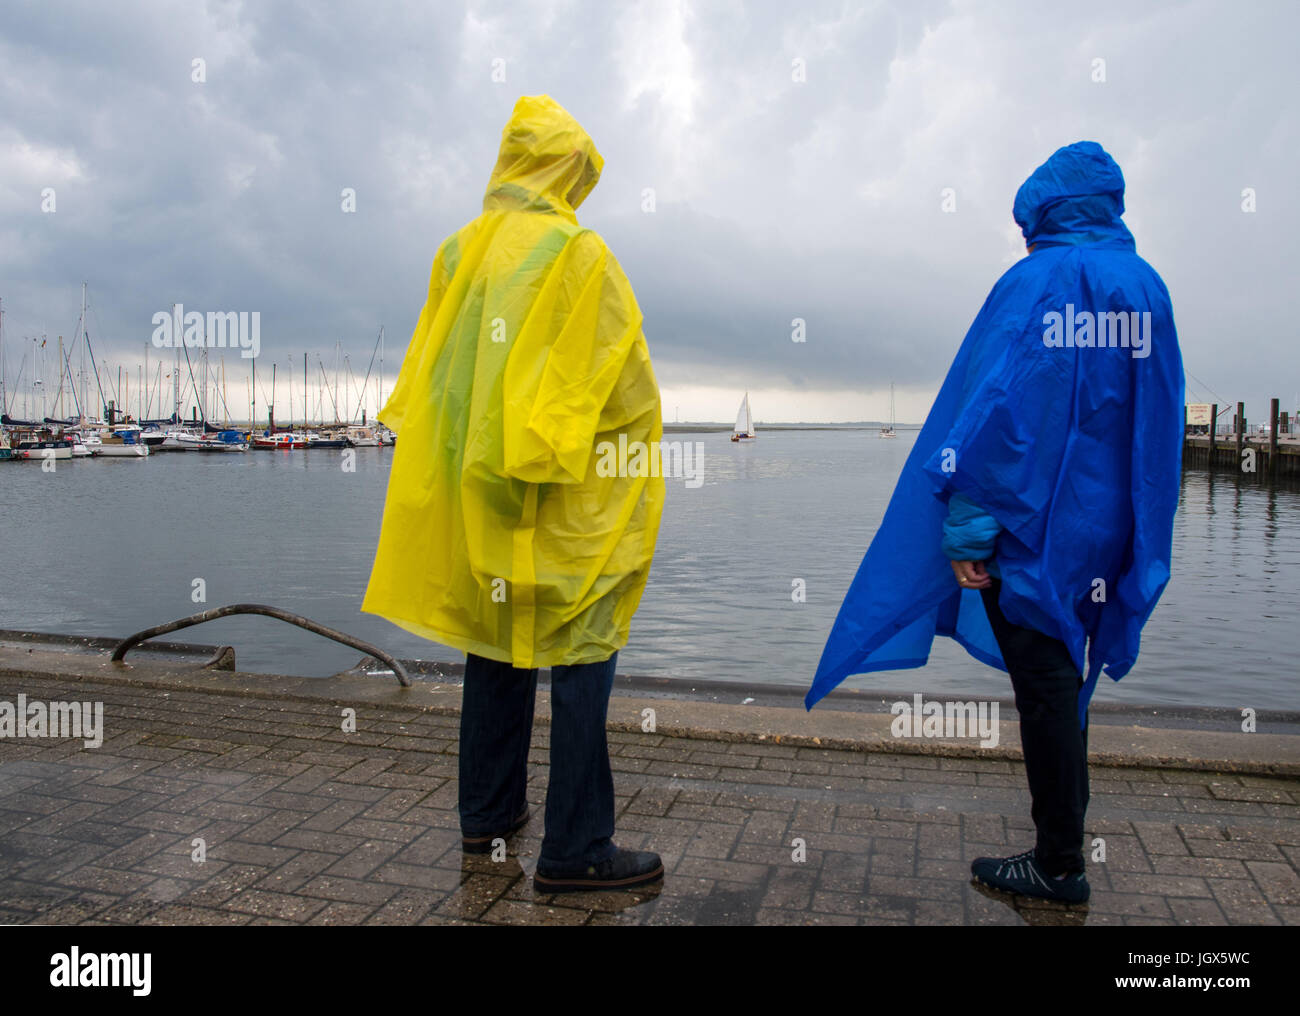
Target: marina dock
(1277, 461)
(1271, 453)
(763, 813)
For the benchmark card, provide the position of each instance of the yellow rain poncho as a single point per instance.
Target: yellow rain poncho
(501, 536)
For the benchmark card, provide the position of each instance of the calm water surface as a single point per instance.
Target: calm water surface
(108, 547)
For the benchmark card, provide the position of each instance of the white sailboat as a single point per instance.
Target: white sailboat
(179, 439)
(888, 431)
(122, 441)
(363, 437)
(223, 441)
(744, 429)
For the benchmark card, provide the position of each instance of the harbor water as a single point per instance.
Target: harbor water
(107, 547)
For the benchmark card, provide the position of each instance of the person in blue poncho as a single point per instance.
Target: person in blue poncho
(1045, 481)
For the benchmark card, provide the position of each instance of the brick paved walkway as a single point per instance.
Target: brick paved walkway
(304, 823)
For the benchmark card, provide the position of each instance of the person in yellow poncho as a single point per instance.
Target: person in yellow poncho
(502, 535)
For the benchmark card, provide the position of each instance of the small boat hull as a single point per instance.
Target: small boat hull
(222, 446)
(278, 442)
(177, 440)
(39, 451)
(108, 450)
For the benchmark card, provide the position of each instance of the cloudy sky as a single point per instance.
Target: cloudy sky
(774, 198)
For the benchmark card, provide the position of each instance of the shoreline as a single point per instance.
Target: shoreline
(1201, 739)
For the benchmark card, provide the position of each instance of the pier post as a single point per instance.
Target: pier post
(1214, 425)
(1272, 438)
(1189, 449)
(1241, 431)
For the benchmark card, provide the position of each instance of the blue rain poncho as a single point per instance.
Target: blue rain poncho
(1061, 417)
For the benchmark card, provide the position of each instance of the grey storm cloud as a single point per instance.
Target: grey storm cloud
(774, 198)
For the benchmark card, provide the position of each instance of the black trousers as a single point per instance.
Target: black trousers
(1046, 684)
(496, 726)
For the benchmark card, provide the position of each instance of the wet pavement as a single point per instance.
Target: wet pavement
(211, 807)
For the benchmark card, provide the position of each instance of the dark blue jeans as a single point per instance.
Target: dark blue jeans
(496, 726)
(1046, 683)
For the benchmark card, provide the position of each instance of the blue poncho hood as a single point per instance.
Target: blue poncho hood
(1061, 416)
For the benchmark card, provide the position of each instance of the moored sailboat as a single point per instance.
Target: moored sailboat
(285, 440)
(222, 441)
(42, 446)
(121, 442)
(363, 437)
(330, 439)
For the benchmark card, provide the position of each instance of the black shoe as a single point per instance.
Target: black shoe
(1023, 875)
(627, 869)
(483, 844)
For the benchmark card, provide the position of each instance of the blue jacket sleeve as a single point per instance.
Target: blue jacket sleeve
(969, 532)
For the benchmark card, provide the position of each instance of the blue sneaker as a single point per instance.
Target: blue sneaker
(1023, 875)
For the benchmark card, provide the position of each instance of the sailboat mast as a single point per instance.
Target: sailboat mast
(4, 401)
(81, 335)
(58, 401)
(176, 366)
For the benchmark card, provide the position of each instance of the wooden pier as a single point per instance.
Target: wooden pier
(1270, 456)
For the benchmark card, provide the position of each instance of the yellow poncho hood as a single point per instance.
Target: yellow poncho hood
(501, 536)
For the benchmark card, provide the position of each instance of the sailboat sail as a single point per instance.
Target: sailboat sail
(744, 420)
